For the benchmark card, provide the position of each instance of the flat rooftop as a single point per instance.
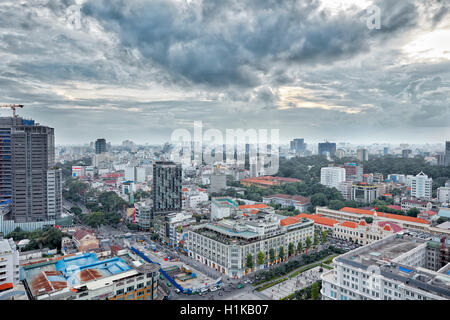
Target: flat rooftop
(384, 253)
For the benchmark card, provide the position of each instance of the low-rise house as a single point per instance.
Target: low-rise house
(85, 240)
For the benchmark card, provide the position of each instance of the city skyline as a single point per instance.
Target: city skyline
(313, 69)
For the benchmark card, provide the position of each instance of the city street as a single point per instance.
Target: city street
(288, 287)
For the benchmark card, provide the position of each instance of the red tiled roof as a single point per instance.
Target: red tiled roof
(349, 224)
(362, 223)
(392, 206)
(289, 221)
(81, 233)
(385, 215)
(318, 219)
(253, 206)
(391, 225)
(387, 228)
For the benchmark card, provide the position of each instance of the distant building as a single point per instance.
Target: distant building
(268, 181)
(298, 145)
(218, 183)
(421, 186)
(406, 153)
(408, 204)
(364, 192)
(447, 154)
(298, 202)
(100, 146)
(332, 176)
(327, 148)
(443, 193)
(362, 155)
(353, 172)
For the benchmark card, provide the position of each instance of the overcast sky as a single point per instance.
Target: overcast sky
(313, 69)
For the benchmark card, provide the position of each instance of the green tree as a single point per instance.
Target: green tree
(413, 212)
(319, 199)
(316, 239)
(249, 261)
(315, 291)
(299, 246)
(324, 236)
(272, 255)
(308, 242)
(94, 219)
(336, 204)
(368, 219)
(291, 249)
(281, 253)
(76, 210)
(261, 258)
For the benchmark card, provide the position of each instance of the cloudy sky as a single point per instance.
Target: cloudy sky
(313, 69)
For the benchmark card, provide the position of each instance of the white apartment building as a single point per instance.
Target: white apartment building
(332, 176)
(222, 208)
(443, 193)
(9, 264)
(421, 186)
(394, 268)
(407, 204)
(225, 245)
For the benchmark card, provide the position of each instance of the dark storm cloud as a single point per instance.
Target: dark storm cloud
(236, 42)
(230, 60)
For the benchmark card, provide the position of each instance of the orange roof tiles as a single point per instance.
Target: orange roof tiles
(349, 224)
(387, 228)
(318, 219)
(253, 206)
(289, 221)
(362, 223)
(385, 215)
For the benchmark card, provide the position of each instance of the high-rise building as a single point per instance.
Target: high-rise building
(100, 146)
(298, 145)
(167, 180)
(406, 153)
(327, 147)
(353, 172)
(29, 179)
(421, 186)
(362, 155)
(332, 176)
(385, 151)
(447, 153)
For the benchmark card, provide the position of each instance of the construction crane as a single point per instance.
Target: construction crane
(13, 107)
